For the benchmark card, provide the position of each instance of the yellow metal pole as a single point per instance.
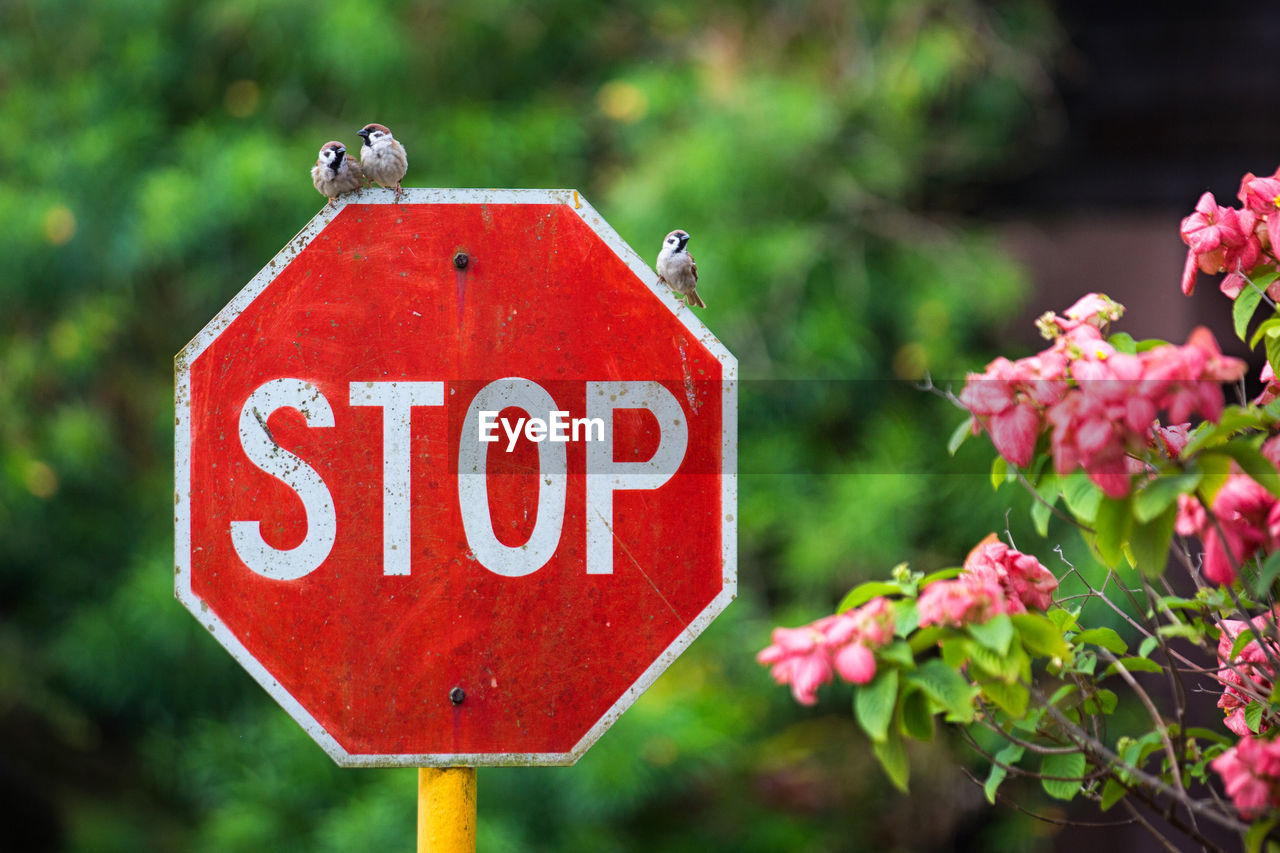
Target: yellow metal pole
(446, 810)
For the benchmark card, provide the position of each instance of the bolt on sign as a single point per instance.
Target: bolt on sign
(455, 477)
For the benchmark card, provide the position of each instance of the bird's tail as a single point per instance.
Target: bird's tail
(696, 301)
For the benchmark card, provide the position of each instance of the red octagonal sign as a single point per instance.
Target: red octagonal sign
(455, 477)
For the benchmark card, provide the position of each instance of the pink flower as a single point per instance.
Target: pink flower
(855, 663)
(1218, 238)
(1248, 674)
(967, 600)
(1026, 583)
(1252, 653)
(799, 658)
(1171, 440)
(1014, 432)
(1272, 389)
(808, 656)
(1191, 517)
(1095, 309)
(1242, 508)
(873, 622)
(1250, 771)
(1262, 196)
(1216, 366)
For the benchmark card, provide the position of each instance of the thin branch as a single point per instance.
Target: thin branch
(1155, 833)
(1056, 821)
(1108, 757)
(1037, 748)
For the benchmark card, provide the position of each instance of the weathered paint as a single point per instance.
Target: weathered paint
(369, 292)
(447, 810)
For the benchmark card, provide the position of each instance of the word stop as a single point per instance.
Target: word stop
(604, 475)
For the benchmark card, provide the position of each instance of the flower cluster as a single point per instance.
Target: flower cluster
(1098, 404)
(1250, 772)
(1245, 519)
(995, 579)
(1248, 674)
(806, 657)
(1224, 239)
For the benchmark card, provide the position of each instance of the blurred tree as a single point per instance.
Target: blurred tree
(160, 156)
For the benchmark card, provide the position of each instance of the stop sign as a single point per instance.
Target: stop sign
(455, 478)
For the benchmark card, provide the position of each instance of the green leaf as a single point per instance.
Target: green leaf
(1242, 311)
(1123, 342)
(1041, 512)
(1187, 631)
(1041, 636)
(955, 651)
(1134, 665)
(958, 436)
(873, 703)
(1253, 716)
(1112, 525)
(1254, 464)
(1010, 698)
(925, 638)
(1104, 637)
(906, 617)
(864, 592)
(996, 633)
(1064, 619)
(1242, 639)
(898, 652)
(1271, 341)
(1161, 493)
(917, 717)
(999, 472)
(1112, 792)
(1257, 835)
(1267, 574)
(1102, 701)
(1209, 735)
(941, 575)
(1149, 542)
(1082, 496)
(946, 687)
(1070, 765)
(993, 664)
(893, 759)
(1062, 693)
(1148, 646)
(1215, 467)
(1010, 756)
(1262, 330)
(1177, 602)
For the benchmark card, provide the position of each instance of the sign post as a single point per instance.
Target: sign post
(446, 810)
(455, 481)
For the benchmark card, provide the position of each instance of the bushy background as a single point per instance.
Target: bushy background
(158, 157)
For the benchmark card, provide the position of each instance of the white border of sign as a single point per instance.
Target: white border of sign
(182, 473)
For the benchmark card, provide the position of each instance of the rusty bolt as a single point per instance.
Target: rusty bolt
(457, 694)
(460, 261)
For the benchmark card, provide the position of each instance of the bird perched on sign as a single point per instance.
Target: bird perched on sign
(677, 270)
(382, 157)
(335, 173)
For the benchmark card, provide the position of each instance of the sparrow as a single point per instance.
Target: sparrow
(382, 158)
(677, 270)
(335, 173)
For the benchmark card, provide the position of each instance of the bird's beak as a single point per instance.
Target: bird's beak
(363, 134)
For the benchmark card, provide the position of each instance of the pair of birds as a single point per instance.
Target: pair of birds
(383, 161)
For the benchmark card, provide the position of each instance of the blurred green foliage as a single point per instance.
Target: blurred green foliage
(159, 156)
